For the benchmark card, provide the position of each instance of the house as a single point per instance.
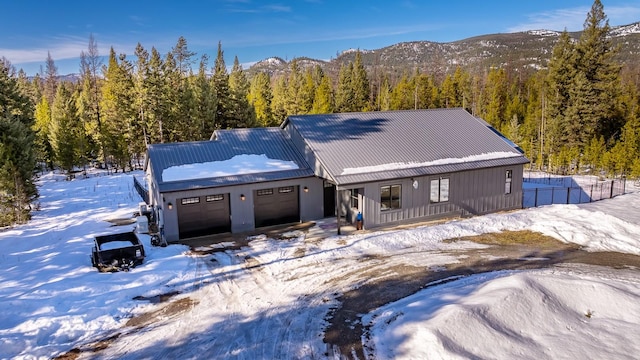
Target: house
(390, 166)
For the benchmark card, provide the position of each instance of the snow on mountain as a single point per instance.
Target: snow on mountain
(626, 30)
(543, 32)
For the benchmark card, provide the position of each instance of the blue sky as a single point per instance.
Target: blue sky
(254, 30)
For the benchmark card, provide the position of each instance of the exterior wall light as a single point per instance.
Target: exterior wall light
(242, 197)
(170, 206)
(305, 189)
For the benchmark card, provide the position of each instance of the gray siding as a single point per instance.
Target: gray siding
(308, 154)
(474, 192)
(242, 215)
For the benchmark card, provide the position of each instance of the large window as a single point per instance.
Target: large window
(439, 190)
(507, 182)
(390, 197)
(355, 198)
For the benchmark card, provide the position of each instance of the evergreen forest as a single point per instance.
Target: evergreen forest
(580, 114)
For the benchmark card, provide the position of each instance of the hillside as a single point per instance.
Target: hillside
(521, 51)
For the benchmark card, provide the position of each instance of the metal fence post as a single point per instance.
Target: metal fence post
(611, 194)
(535, 200)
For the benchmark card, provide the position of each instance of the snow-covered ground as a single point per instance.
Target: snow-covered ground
(270, 299)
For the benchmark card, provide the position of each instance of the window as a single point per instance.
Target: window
(390, 197)
(191, 200)
(264, 192)
(284, 190)
(507, 183)
(211, 198)
(355, 203)
(439, 190)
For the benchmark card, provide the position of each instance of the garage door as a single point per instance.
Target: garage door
(203, 215)
(276, 206)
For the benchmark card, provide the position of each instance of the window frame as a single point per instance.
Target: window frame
(215, 197)
(264, 192)
(442, 190)
(286, 189)
(508, 187)
(190, 200)
(354, 200)
(391, 200)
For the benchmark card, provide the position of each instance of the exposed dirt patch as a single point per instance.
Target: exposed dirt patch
(523, 237)
(300, 252)
(92, 347)
(170, 310)
(158, 298)
(520, 250)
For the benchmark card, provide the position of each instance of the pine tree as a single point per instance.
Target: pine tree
(323, 98)
(180, 92)
(242, 114)
(308, 89)
(601, 74)
(559, 82)
(345, 97)
(17, 160)
(384, 95)
(205, 102)
(118, 110)
(64, 129)
(154, 89)
(50, 78)
(91, 143)
(220, 84)
(424, 91)
(360, 85)
(294, 103)
(260, 98)
(279, 101)
(182, 56)
(171, 87)
(141, 101)
(42, 146)
(403, 95)
(496, 90)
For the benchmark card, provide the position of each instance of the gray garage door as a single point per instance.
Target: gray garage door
(276, 206)
(203, 215)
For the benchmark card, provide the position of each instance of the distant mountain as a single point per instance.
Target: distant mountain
(521, 51)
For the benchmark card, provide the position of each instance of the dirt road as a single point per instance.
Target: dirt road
(346, 330)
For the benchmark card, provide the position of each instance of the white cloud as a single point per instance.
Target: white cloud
(573, 19)
(61, 48)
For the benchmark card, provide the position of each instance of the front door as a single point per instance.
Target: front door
(329, 199)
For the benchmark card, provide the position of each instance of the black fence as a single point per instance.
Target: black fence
(564, 190)
(144, 193)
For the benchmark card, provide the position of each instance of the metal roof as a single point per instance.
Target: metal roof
(226, 144)
(356, 140)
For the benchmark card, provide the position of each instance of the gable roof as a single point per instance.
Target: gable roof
(375, 146)
(224, 146)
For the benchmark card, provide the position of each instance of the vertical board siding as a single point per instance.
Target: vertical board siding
(474, 192)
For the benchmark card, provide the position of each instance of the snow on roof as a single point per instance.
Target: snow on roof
(411, 165)
(237, 165)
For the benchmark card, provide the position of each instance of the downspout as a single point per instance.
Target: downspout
(338, 208)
